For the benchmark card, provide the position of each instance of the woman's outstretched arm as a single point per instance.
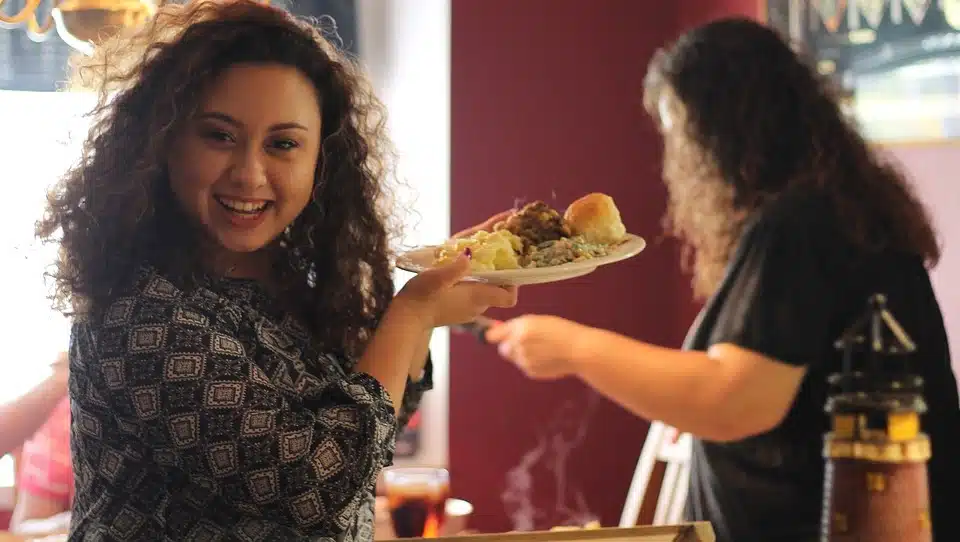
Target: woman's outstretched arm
(727, 393)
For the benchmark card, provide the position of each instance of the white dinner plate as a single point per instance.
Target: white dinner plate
(421, 259)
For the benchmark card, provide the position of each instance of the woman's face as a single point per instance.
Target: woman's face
(243, 168)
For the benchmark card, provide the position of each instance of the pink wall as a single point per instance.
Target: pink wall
(933, 167)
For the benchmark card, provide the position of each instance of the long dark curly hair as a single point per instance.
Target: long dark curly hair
(114, 211)
(756, 118)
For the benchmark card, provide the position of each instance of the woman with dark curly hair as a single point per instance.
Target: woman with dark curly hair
(793, 221)
(239, 364)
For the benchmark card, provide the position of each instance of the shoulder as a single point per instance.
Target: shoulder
(796, 220)
(792, 240)
(154, 310)
(150, 296)
(153, 315)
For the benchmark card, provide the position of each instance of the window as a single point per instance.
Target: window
(40, 137)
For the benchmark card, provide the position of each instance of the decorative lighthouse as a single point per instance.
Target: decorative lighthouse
(875, 484)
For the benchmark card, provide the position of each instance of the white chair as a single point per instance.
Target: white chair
(666, 444)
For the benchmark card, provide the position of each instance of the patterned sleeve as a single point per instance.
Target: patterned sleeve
(229, 401)
(413, 394)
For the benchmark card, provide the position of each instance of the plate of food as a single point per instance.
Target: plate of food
(536, 244)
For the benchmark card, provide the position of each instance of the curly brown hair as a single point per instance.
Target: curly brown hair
(754, 119)
(114, 211)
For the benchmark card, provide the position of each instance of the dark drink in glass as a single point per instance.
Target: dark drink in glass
(417, 499)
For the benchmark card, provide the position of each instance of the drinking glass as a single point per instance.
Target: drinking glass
(417, 499)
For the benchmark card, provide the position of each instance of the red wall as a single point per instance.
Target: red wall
(694, 12)
(546, 105)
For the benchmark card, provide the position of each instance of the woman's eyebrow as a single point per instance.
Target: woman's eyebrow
(223, 117)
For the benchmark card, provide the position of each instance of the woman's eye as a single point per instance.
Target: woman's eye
(218, 136)
(284, 144)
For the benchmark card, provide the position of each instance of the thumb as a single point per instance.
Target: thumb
(451, 273)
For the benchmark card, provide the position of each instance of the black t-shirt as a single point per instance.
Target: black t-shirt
(793, 286)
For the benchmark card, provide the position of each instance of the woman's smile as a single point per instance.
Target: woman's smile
(242, 213)
(244, 206)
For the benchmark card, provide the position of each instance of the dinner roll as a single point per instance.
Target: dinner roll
(596, 218)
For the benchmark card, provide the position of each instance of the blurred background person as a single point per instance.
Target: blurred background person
(792, 222)
(46, 483)
(23, 416)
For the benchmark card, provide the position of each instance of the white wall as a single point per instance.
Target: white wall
(405, 45)
(40, 136)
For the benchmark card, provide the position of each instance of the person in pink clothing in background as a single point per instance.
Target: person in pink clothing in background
(46, 486)
(23, 416)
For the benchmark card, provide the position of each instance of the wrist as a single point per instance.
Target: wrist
(584, 344)
(411, 312)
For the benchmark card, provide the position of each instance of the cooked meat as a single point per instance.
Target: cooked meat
(536, 223)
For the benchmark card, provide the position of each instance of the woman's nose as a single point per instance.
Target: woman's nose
(248, 170)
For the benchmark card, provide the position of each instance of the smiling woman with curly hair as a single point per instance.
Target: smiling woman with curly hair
(793, 221)
(239, 363)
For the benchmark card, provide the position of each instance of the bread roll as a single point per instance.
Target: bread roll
(596, 218)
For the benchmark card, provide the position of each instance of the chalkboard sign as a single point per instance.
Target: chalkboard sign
(27, 62)
(39, 63)
(898, 59)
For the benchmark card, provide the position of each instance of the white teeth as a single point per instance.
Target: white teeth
(243, 206)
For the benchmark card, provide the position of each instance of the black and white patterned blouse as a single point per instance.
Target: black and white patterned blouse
(208, 415)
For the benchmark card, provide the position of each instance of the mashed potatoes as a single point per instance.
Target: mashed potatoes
(489, 251)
